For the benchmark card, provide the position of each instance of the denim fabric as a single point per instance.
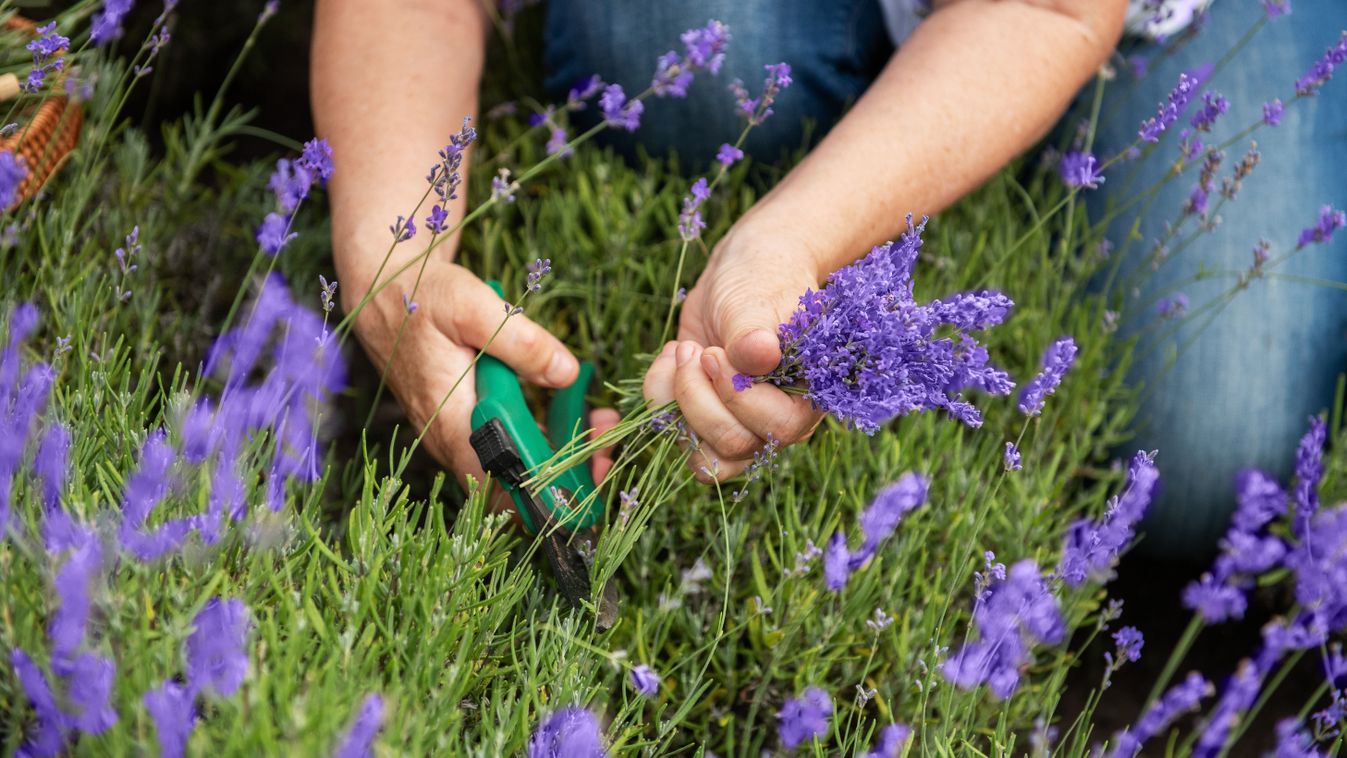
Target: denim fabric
(835, 49)
(1239, 391)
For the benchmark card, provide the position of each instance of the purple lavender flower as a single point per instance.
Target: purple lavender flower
(1080, 169)
(49, 735)
(217, 660)
(51, 464)
(804, 718)
(290, 183)
(1330, 220)
(1129, 641)
(1182, 698)
(438, 220)
(728, 155)
(1272, 112)
(1057, 360)
(45, 48)
(618, 111)
(12, 174)
(568, 733)
(1092, 547)
(583, 91)
(359, 740)
(403, 229)
(1309, 471)
(1012, 457)
(1173, 306)
(1293, 742)
(538, 269)
(171, 707)
(704, 47)
(1214, 105)
(756, 110)
(891, 741)
(144, 490)
(644, 680)
(316, 158)
(1276, 8)
(878, 522)
(1169, 111)
(1322, 70)
(107, 23)
(1246, 550)
(703, 50)
(742, 382)
(89, 681)
(1239, 695)
(272, 234)
(690, 224)
(1319, 563)
(672, 76)
(868, 352)
(557, 141)
(72, 583)
(1012, 616)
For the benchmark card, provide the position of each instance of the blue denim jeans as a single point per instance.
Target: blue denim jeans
(1240, 389)
(1235, 392)
(835, 48)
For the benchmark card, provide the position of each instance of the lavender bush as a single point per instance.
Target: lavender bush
(204, 550)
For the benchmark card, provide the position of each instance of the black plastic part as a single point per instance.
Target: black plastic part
(500, 458)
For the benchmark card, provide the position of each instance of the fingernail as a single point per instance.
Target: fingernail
(559, 370)
(685, 352)
(668, 349)
(711, 364)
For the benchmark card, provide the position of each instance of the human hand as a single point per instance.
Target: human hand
(728, 325)
(454, 315)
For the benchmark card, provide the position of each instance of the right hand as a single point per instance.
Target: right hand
(456, 315)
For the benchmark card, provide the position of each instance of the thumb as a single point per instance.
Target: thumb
(533, 352)
(751, 342)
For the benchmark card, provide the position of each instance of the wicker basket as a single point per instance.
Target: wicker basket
(52, 131)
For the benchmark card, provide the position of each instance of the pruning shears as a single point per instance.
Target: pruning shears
(565, 514)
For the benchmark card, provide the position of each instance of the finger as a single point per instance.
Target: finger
(749, 326)
(600, 421)
(472, 317)
(762, 408)
(703, 409)
(658, 388)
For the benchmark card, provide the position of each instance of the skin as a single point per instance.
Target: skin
(919, 139)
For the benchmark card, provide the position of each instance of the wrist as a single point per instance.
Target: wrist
(776, 241)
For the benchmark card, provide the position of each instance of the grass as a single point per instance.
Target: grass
(383, 578)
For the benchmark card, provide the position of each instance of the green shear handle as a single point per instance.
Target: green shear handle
(566, 513)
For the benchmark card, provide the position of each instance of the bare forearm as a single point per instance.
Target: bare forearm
(977, 83)
(386, 105)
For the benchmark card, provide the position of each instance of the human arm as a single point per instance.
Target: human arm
(392, 80)
(977, 83)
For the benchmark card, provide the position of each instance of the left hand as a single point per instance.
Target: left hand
(728, 325)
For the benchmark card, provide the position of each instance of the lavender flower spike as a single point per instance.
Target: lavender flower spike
(171, 707)
(644, 680)
(568, 733)
(1169, 111)
(1182, 698)
(618, 111)
(1079, 169)
(12, 174)
(892, 738)
(216, 656)
(1092, 547)
(868, 352)
(359, 741)
(1330, 220)
(1057, 360)
(804, 718)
